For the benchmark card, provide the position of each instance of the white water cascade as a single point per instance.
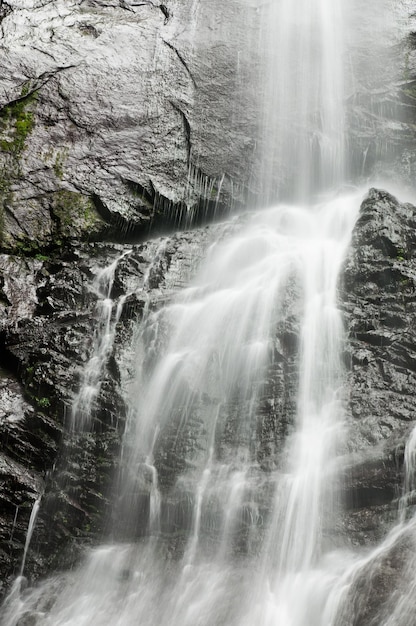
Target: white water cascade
(107, 315)
(304, 113)
(214, 525)
(212, 371)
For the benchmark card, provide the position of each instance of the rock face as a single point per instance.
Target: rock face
(126, 103)
(52, 330)
(44, 356)
(51, 335)
(25, 434)
(380, 308)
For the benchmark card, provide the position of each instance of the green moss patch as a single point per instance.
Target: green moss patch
(16, 123)
(75, 215)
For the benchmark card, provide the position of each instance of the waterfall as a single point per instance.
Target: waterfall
(201, 366)
(304, 113)
(228, 499)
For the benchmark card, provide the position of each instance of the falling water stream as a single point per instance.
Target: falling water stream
(32, 521)
(304, 112)
(252, 531)
(104, 336)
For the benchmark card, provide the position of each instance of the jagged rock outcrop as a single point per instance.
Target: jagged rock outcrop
(380, 309)
(44, 340)
(47, 338)
(379, 304)
(28, 439)
(49, 334)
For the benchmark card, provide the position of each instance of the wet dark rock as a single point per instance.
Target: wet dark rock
(47, 335)
(46, 328)
(379, 305)
(28, 440)
(365, 604)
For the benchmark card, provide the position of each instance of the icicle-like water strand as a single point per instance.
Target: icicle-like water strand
(13, 602)
(29, 534)
(409, 487)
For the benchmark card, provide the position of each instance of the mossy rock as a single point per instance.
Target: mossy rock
(49, 222)
(75, 216)
(16, 123)
(17, 120)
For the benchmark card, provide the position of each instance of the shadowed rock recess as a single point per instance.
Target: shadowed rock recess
(116, 125)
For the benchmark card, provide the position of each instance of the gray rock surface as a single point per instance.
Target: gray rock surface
(26, 443)
(47, 338)
(48, 334)
(127, 102)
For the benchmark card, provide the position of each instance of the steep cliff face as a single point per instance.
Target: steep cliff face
(379, 305)
(44, 343)
(53, 338)
(115, 119)
(49, 336)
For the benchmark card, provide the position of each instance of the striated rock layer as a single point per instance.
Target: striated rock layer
(379, 304)
(49, 333)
